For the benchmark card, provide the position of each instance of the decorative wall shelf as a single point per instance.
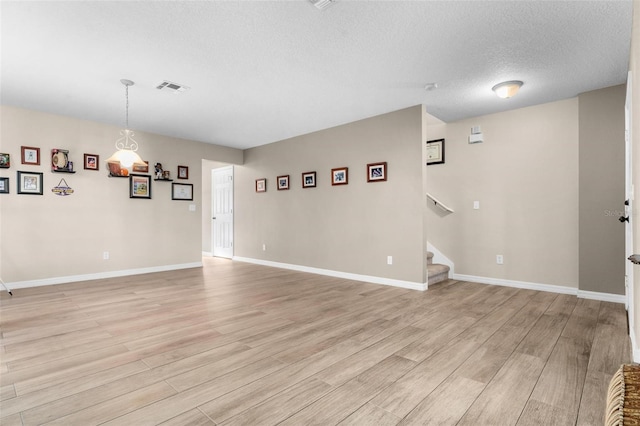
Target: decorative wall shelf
(166, 180)
(63, 171)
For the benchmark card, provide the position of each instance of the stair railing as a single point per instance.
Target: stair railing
(439, 203)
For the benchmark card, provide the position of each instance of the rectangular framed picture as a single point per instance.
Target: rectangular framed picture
(4, 185)
(435, 152)
(261, 185)
(283, 182)
(182, 191)
(30, 155)
(140, 186)
(377, 172)
(340, 176)
(309, 180)
(91, 162)
(30, 183)
(140, 168)
(5, 161)
(183, 172)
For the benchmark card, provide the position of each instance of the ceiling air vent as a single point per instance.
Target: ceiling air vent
(321, 4)
(172, 87)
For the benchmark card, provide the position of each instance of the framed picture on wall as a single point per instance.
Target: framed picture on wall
(30, 183)
(309, 180)
(261, 185)
(91, 162)
(377, 172)
(4, 185)
(30, 155)
(340, 176)
(183, 172)
(140, 186)
(5, 161)
(182, 191)
(283, 182)
(435, 152)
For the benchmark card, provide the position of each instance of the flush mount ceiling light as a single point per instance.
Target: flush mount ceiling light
(126, 146)
(507, 89)
(321, 4)
(430, 86)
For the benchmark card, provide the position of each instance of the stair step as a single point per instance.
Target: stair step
(429, 258)
(437, 272)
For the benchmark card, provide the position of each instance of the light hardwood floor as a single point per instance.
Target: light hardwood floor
(240, 344)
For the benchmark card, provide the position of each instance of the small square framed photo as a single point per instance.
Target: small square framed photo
(140, 186)
(140, 168)
(183, 172)
(182, 191)
(5, 161)
(340, 176)
(376, 172)
(261, 185)
(91, 162)
(309, 180)
(435, 152)
(4, 185)
(30, 155)
(283, 182)
(30, 183)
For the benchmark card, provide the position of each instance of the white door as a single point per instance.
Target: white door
(628, 208)
(222, 220)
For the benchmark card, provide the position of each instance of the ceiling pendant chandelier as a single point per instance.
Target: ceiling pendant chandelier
(126, 145)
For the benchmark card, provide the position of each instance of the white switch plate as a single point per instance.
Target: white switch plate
(192, 207)
(389, 260)
(476, 205)
(264, 247)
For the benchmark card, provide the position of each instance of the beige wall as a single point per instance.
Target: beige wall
(350, 228)
(525, 176)
(48, 236)
(601, 159)
(634, 67)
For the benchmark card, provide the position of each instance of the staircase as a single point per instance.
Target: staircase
(435, 271)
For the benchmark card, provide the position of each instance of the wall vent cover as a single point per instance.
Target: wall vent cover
(169, 86)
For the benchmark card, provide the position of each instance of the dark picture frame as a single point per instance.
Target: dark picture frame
(182, 191)
(261, 185)
(5, 160)
(30, 183)
(377, 172)
(4, 185)
(140, 186)
(283, 182)
(30, 155)
(92, 162)
(435, 152)
(309, 180)
(183, 172)
(340, 176)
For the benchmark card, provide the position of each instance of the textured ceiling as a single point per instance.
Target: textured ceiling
(262, 71)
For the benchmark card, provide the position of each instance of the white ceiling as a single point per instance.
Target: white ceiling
(262, 71)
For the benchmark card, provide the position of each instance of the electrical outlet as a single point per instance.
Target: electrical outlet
(499, 259)
(105, 255)
(389, 260)
(476, 205)
(264, 247)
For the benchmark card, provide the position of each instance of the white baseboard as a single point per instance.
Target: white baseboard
(100, 275)
(346, 275)
(603, 297)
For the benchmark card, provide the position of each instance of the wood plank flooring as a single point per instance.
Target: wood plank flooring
(240, 344)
